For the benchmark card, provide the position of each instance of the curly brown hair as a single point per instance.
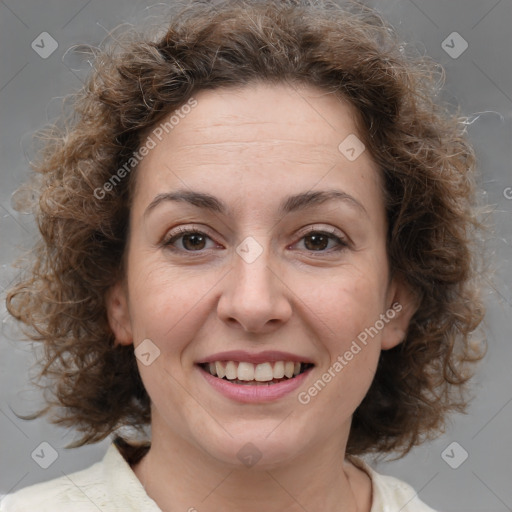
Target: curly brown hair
(426, 162)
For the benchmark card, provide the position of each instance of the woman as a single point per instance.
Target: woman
(256, 239)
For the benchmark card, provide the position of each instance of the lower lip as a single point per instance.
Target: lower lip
(248, 393)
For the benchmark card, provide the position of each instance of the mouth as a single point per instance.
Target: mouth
(249, 374)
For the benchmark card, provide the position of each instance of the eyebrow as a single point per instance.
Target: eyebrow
(290, 204)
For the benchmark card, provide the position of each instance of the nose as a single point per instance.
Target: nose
(255, 298)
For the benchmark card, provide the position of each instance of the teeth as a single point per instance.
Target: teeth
(219, 370)
(231, 370)
(263, 372)
(288, 369)
(249, 372)
(279, 370)
(245, 371)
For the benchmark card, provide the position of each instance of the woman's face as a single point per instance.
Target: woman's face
(256, 243)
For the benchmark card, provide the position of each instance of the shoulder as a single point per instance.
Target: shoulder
(394, 493)
(63, 493)
(390, 493)
(103, 486)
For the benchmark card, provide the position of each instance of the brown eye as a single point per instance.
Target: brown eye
(316, 242)
(189, 240)
(320, 241)
(194, 241)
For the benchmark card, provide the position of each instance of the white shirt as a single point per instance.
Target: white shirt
(112, 486)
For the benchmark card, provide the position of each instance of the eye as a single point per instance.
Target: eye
(324, 240)
(189, 239)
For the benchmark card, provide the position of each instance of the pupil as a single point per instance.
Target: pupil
(317, 242)
(193, 241)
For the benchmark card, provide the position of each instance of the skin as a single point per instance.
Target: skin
(252, 148)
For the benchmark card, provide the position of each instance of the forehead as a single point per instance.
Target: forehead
(274, 114)
(261, 139)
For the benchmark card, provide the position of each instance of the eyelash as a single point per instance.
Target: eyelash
(182, 231)
(179, 233)
(331, 234)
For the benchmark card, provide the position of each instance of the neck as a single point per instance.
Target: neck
(179, 476)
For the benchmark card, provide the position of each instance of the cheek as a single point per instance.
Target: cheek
(167, 303)
(169, 308)
(343, 312)
(345, 305)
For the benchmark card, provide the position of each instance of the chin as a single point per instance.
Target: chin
(253, 448)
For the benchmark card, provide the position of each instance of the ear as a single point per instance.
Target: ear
(119, 315)
(402, 303)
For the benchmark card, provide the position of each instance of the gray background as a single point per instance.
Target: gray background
(479, 80)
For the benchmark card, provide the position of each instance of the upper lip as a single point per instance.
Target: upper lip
(255, 358)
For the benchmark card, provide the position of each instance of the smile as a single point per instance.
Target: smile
(246, 373)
